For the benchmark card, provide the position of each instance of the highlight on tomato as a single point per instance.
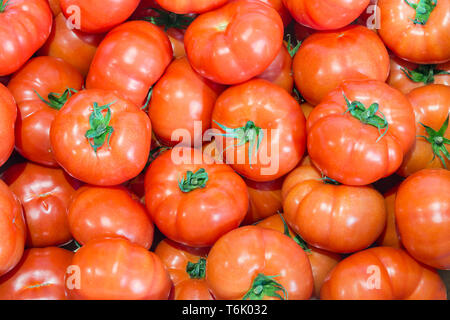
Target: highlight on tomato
(7, 123)
(189, 6)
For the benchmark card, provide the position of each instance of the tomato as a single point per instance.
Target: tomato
(179, 100)
(325, 59)
(186, 267)
(8, 117)
(422, 211)
(234, 43)
(131, 58)
(116, 269)
(38, 276)
(101, 139)
(431, 105)
(307, 108)
(326, 14)
(25, 26)
(45, 195)
(416, 31)
(260, 130)
(12, 229)
(254, 263)
(97, 16)
(302, 32)
(382, 273)
(97, 212)
(190, 6)
(363, 139)
(55, 6)
(41, 88)
(390, 237)
(281, 9)
(193, 200)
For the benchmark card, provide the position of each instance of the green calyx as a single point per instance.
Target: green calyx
(197, 270)
(147, 101)
(265, 286)
(57, 100)
(423, 73)
(194, 181)
(328, 180)
(299, 240)
(368, 116)
(170, 19)
(100, 130)
(3, 5)
(438, 141)
(423, 10)
(291, 48)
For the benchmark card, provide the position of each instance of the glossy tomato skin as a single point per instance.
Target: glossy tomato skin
(131, 58)
(38, 276)
(190, 6)
(43, 75)
(25, 26)
(325, 59)
(234, 43)
(122, 159)
(353, 153)
(420, 43)
(382, 273)
(422, 211)
(116, 269)
(390, 237)
(7, 123)
(55, 6)
(281, 9)
(45, 194)
(97, 212)
(199, 217)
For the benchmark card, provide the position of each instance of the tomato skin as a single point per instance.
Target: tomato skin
(55, 6)
(281, 9)
(328, 58)
(345, 149)
(431, 106)
(38, 276)
(97, 212)
(129, 60)
(307, 108)
(44, 75)
(116, 269)
(218, 50)
(400, 278)
(190, 6)
(422, 211)
(7, 123)
(129, 146)
(390, 237)
(426, 44)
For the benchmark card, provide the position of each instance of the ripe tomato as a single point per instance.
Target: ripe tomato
(190, 6)
(97, 212)
(325, 59)
(234, 43)
(38, 276)
(260, 130)
(55, 6)
(422, 211)
(193, 200)
(281, 9)
(390, 237)
(431, 105)
(25, 26)
(307, 108)
(100, 138)
(186, 267)
(131, 58)
(364, 138)
(98, 16)
(41, 88)
(12, 229)
(256, 263)
(326, 14)
(45, 194)
(382, 273)
(116, 269)
(8, 117)
(415, 30)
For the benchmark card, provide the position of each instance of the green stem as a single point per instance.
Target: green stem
(328, 180)
(438, 141)
(265, 286)
(170, 19)
(197, 270)
(147, 101)
(3, 5)
(299, 240)
(100, 131)
(57, 100)
(423, 73)
(291, 49)
(193, 180)
(423, 10)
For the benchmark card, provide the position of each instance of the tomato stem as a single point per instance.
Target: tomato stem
(194, 180)
(57, 100)
(265, 286)
(147, 101)
(100, 130)
(438, 141)
(170, 19)
(423, 10)
(197, 270)
(328, 180)
(291, 49)
(299, 240)
(3, 5)
(423, 73)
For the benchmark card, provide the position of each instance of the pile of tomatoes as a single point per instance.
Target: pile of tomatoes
(224, 149)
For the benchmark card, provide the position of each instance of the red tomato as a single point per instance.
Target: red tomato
(24, 27)
(38, 276)
(390, 237)
(193, 200)
(363, 139)
(41, 88)
(325, 59)
(326, 14)
(260, 130)
(254, 263)
(98, 16)
(96, 212)
(131, 58)
(417, 34)
(7, 123)
(190, 6)
(422, 211)
(101, 139)
(307, 108)
(45, 195)
(234, 43)
(55, 7)
(382, 273)
(281, 9)
(116, 269)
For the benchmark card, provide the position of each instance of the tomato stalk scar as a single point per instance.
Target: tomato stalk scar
(193, 181)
